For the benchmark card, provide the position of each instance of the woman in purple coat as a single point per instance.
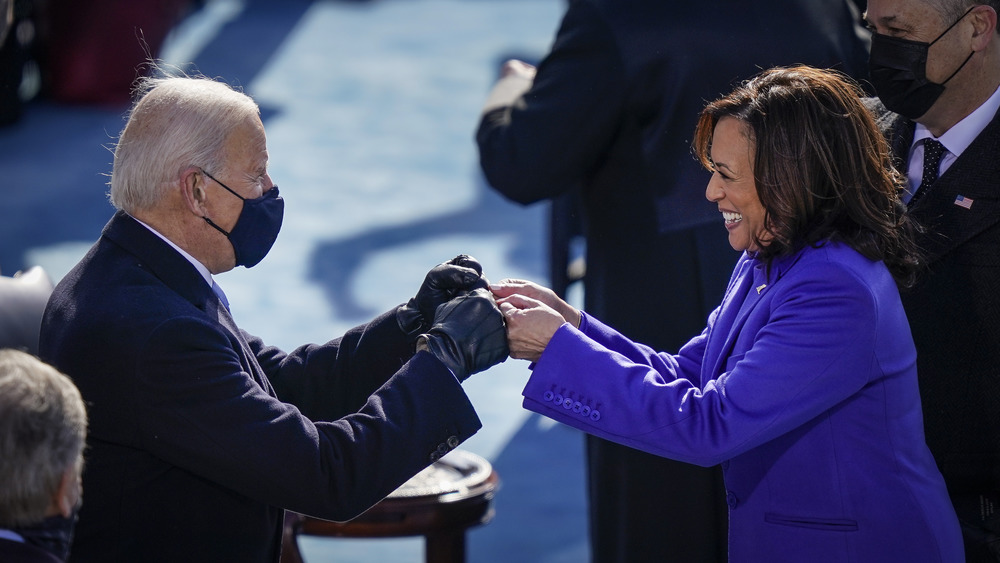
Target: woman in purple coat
(803, 385)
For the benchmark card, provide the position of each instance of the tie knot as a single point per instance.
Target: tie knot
(933, 150)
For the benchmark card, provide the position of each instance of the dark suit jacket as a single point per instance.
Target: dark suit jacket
(954, 312)
(195, 447)
(18, 552)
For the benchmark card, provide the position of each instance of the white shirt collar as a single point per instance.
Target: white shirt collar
(194, 262)
(961, 135)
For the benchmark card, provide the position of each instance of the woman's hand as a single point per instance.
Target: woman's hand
(507, 287)
(533, 314)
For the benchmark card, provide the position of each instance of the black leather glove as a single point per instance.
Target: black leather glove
(458, 275)
(468, 334)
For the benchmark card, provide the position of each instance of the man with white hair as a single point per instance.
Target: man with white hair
(43, 425)
(201, 434)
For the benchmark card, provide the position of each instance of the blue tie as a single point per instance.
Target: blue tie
(222, 295)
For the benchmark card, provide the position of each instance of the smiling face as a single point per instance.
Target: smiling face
(732, 185)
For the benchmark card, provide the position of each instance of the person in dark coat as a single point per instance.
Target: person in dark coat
(608, 115)
(201, 434)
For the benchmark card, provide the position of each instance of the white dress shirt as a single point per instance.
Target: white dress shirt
(955, 141)
(194, 262)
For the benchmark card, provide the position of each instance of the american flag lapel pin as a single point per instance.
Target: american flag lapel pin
(963, 201)
(760, 288)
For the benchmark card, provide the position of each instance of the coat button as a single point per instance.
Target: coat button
(725, 465)
(453, 442)
(548, 396)
(595, 415)
(731, 499)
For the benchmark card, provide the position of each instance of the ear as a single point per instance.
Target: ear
(193, 190)
(984, 20)
(68, 493)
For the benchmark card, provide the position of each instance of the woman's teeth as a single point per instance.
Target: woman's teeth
(732, 217)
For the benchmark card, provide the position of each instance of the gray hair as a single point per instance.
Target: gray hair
(177, 122)
(951, 10)
(43, 425)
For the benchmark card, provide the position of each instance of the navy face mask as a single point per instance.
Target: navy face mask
(898, 69)
(256, 228)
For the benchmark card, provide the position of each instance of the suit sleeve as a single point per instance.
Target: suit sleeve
(686, 364)
(331, 380)
(204, 414)
(812, 353)
(543, 143)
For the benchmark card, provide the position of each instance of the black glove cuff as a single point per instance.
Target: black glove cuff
(448, 355)
(409, 319)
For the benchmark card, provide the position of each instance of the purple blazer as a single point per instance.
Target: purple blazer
(803, 386)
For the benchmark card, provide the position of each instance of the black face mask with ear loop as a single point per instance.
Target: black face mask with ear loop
(256, 228)
(898, 70)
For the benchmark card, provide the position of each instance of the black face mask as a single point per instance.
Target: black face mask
(898, 69)
(54, 534)
(256, 228)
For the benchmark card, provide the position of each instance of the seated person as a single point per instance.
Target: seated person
(43, 425)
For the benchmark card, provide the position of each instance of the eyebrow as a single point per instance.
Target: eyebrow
(724, 165)
(886, 21)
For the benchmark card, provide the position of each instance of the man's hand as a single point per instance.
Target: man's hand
(445, 281)
(468, 334)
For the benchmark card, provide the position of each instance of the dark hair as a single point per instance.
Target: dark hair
(822, 168)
